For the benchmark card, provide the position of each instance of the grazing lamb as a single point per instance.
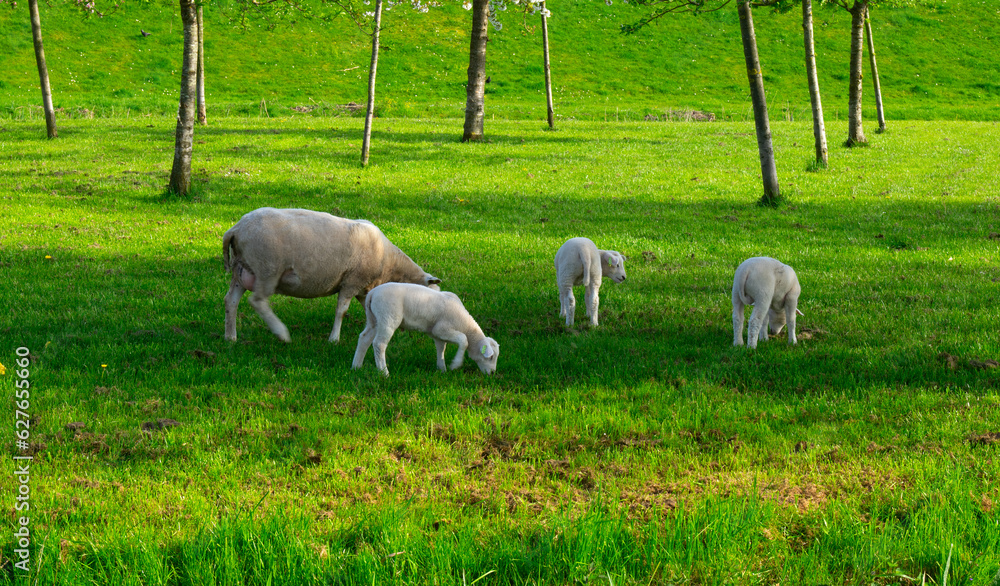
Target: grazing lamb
(773, 290)
(437, 313)
(306, 254)
(579, 262)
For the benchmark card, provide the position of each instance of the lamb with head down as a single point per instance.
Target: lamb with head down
(306, 254)
(439, 314)
(772, 288)
(579, 262)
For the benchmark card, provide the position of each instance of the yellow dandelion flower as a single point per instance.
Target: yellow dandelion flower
(47, 257)
(104, 366)
(3, 370)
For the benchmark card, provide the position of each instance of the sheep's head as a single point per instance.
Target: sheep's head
(431, 281)
(486, 355)
(613, 265)
(776, 319)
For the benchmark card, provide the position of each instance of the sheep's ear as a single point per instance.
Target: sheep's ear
(798, 312)
(431, 280)
(486, 350)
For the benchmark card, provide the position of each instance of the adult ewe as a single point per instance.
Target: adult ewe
(579, 262)
(439, 314)
(773, 290)
(305, 254)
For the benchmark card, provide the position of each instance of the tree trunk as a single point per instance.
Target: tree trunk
(180, 175)
(475, 91)
(370, 113)
(769, 173)
(202, 113)
(875, 80)
(548, 69)
(819, 129)
(43, 70)
(855, 129)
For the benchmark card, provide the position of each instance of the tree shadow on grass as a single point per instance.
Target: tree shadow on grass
(159, 321)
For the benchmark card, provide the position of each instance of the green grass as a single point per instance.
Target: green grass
(645, 450)
(935, 63)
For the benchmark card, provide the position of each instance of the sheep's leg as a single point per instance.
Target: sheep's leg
(381, 340)
(790, 322)
(343, 302)
(440, 344)
(567, 304)
(592, 300)
(738, 313)
(233, 298)
(259, 301)
(764, 327)
(758, 318)
(364, 342)
(455, 337)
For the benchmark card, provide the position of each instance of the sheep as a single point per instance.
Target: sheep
(579, 262)
(437, 313)
(773, 290)
(306, 254)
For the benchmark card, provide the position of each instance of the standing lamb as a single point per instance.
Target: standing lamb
(437, 313)
(579, 262)
(306, 254)
(773, 290)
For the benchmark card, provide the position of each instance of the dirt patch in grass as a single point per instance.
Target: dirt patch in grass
(984, 439)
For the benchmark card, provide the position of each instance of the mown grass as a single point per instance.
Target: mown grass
(645, 450)
(936, 62)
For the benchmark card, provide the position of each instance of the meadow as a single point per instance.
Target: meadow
(936, 62)
(647, 450)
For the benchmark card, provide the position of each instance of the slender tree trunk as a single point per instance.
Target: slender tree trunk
(855, 129)
(370, 113)
(769, 173)
(874, 66)
(43, 70)
(819, 129)
(548, 69)
(475, 91)
(202, 112)
(180, 175)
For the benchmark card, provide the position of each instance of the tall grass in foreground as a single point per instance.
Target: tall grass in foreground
(645, 450)
(721, 541)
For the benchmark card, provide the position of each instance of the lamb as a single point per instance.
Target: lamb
(579, 262)
(773, 290)
(306, 254)
(437, 313)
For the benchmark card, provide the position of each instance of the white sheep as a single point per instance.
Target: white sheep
(773, 290)
(579, 262)
(306, 254)
(437, 313)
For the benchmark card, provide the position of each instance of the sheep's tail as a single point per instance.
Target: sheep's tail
(369, 314)
(741, 289)
(227, 240)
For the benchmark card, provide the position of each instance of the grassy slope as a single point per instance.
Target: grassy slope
(645, 450)
(936, 63)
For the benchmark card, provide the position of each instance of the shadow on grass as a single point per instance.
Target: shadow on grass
(149, 322)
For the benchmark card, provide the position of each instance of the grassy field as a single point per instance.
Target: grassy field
(936, 62)
(647, 450)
